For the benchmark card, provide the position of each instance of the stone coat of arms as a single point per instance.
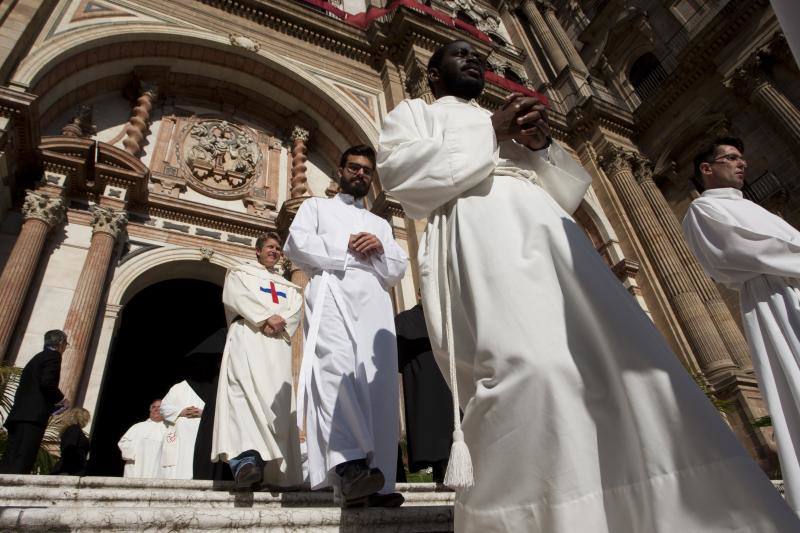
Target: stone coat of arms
(221, 158)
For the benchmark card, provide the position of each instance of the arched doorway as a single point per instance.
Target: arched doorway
(157, 327)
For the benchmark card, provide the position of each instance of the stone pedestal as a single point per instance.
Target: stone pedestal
(41, 213)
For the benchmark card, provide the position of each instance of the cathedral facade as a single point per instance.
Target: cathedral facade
(145, 144)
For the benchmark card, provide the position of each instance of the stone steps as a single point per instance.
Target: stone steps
(64, 503)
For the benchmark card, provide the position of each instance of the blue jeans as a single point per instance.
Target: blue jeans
(250, 457)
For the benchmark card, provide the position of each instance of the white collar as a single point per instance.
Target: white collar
(727, 193)
(450, 99)
(349, 200)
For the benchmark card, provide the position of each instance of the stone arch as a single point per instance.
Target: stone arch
(47, 70)
(141, 270)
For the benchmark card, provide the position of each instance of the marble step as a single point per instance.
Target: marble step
(89, 504)
(422, 519)
(37, 491)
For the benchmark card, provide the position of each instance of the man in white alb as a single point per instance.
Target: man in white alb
(747, 248)
(181, 408)
(348, 379)
(141, 445)
(576, 413)
(255, 428)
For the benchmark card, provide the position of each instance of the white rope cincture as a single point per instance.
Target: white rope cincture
(459, 473)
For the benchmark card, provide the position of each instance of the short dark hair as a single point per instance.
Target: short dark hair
(707, 153)
(264, 237)
(54, 338)
(360, 150)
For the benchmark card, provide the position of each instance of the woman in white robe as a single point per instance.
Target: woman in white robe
(748, 249)
(177, 455)
(255, 404)
(578, 416)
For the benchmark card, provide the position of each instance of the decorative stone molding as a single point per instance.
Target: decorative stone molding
(300, 133)
(247, 43)
(616, 159)
(108, 220)
(46, 208)
(416, 83)
(206, 253)
(82, 124)
(642, 167)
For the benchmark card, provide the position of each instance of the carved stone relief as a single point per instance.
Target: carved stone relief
(221, 159)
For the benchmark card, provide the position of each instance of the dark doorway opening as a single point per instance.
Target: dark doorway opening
(159, 325)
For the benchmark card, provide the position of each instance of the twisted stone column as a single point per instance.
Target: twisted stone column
(565, 44)
(299, 183)
(541, 29)
(711, 352)
(720, 315)
(41, 213)
(139, 123)
(107, 225)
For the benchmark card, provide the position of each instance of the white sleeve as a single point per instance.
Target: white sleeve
(309, 250)
(424, 163)
(390, 266)
(127, 444)
(238, 299)
(725, 245)
(170, 406)
(561, 176)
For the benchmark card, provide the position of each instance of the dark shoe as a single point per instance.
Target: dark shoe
(394, 499)
(247, 476)
(358, 481)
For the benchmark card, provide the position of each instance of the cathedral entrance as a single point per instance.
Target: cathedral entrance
(158, 327)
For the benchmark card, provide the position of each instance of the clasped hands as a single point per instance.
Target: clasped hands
(364, 244)
(524, 119)
(274, 326)
(191, 412)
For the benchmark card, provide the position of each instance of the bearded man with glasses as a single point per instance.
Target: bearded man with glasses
(746, 248)
(348, 377)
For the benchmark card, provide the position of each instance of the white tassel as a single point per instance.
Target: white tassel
(459, 469)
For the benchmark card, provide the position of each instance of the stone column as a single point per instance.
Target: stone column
(565, 44)
(139, 123)
(107, 225)
(542, 31)
(41, 213)
(709, 348)
(299, 183)
(720, 315)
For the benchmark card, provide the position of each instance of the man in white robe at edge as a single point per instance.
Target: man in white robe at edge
(348, 378)
(141, 445)
(578, 416)
(181, 408)
(745, 247)
(255, 427)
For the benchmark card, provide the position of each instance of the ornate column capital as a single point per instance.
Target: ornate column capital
(748, 77)
(108, 220)
(50, 210)
(300, 133)
(616, 159)
(642, 167)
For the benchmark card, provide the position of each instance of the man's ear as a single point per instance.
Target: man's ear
(433, 75)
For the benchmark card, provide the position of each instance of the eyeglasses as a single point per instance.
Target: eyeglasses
(729, 158)
(355, 168)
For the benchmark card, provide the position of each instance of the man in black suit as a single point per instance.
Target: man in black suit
(36, 399)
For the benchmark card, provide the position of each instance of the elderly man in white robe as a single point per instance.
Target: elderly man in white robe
(348, 377)
(577, 415)
(181, 408)
(745, 247)
(254, 425)
(141, 445)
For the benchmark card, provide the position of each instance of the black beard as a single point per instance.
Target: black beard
(462, 86)
(356, 191)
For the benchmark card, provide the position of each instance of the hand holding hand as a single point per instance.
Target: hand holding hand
(365, 244)
(522, 117)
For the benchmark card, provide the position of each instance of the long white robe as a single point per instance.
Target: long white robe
(255, 403)
(747, 248)
(177, 455)
(141, 449)
(577, 415)
(348, 377)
